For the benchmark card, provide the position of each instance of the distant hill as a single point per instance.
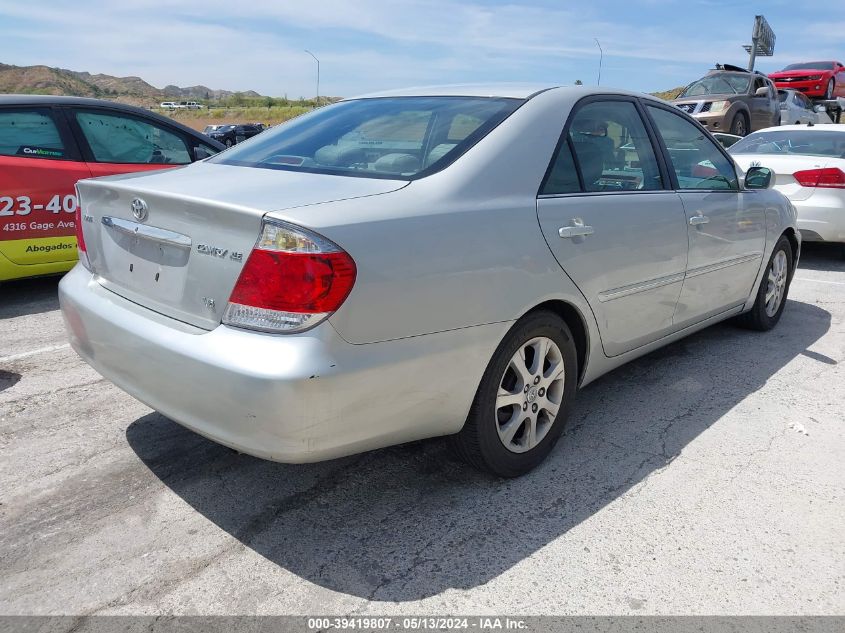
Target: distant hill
(668, 95)
(58, 81)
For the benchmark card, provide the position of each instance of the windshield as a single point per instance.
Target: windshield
(804, 142)
(718, 83)
(811, 66)
(390, 137)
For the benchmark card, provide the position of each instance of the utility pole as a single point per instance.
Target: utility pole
(601, 57)
(318, 74)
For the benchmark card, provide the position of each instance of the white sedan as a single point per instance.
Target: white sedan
(809, 163)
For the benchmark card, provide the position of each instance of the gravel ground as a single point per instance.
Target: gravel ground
(705, 478)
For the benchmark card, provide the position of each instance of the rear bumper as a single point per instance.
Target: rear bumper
(822, 216)
(289, 398)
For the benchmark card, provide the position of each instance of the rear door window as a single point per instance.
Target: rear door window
(612, 148)
(30, 133)
(118, 138)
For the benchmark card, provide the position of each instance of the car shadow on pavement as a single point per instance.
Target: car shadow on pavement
(29, 296)
(822, 256)
(409, 522)
(8, 379)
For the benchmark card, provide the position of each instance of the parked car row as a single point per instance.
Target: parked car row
(176, 105)
(467, 237)
(732, 100)
(289, 220)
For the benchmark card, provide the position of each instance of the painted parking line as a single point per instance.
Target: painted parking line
(34, 352)
(821, 281)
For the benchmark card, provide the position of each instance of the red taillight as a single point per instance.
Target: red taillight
(308, 283)
(829, 177)
(292, 280)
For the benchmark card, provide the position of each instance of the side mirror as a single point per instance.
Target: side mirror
(761, 92)
(820, 108)
(759, 178)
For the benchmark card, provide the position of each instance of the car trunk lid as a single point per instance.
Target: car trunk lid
(175, 242)
(784, 168)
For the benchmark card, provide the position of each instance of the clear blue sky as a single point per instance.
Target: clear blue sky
(367, 45)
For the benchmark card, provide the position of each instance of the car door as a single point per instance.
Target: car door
(116, 142)
(726, 225)
(39, 166)
(612, 223)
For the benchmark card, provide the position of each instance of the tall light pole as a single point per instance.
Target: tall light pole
(601, 57)
(318, 74)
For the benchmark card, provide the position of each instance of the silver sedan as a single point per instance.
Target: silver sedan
(449, 261)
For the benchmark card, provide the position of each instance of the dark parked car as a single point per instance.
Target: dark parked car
(231, 134)
(732, 100)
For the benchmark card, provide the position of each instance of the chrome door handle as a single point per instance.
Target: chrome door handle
(578, 229)
(698, 219)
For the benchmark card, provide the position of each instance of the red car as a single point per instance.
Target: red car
(817, 80)
(47, 144)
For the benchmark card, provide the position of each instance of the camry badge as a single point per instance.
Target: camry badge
(139, 209)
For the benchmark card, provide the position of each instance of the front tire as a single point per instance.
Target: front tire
(828, 95)
(739, 126)
(523, 400)
(774, 287)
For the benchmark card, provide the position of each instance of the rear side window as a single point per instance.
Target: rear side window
(562, 176)
(612, 148)
(30, 133)
(696, 159)
(115, 138)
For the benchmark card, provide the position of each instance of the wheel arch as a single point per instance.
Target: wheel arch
(577, 325)
(795, 244)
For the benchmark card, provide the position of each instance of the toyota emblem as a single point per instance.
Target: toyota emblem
(139, 209)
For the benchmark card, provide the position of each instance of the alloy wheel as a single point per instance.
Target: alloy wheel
(776, 283)
(530, 394)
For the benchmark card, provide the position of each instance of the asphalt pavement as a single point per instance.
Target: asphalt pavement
(705, 478)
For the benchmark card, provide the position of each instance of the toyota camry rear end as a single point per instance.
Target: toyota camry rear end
(219, 295)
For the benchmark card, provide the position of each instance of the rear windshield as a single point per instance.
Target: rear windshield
(809, 143)
(811, 66)
(398, 137)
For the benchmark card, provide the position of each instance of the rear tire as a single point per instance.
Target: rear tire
(739, 126)
(774, 288)
(523, 399)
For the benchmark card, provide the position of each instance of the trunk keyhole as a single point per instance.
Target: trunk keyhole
(157, 274)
